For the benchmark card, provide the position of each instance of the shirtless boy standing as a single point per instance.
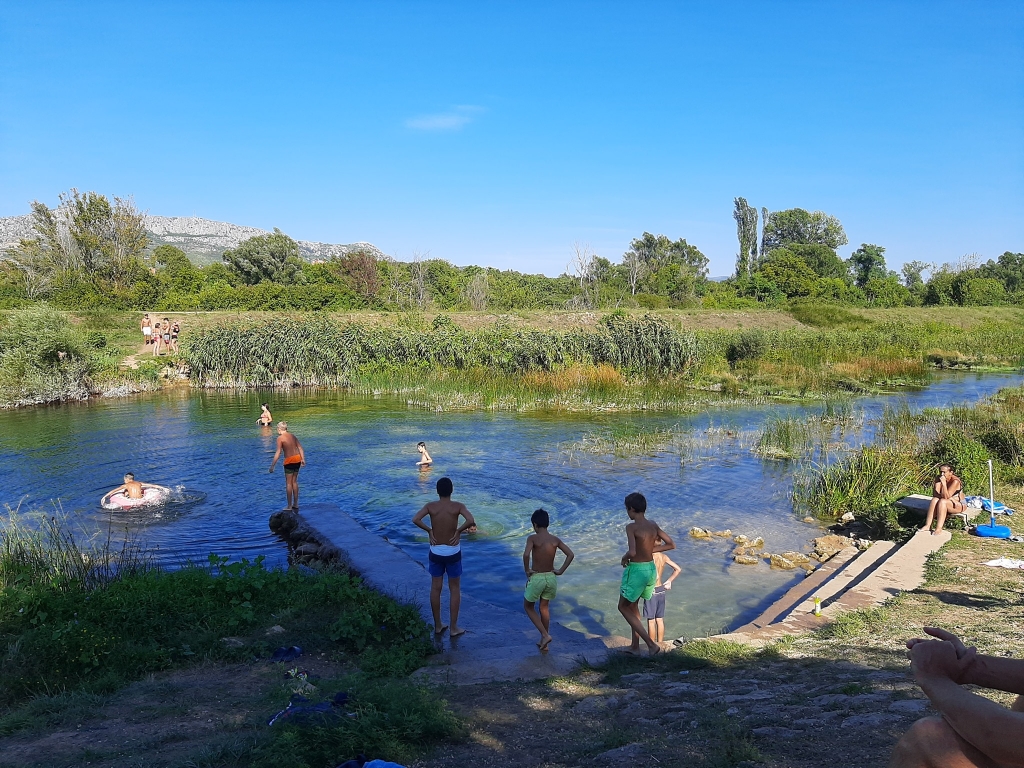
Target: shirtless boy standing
(294, 459)
(445, 551)
(654, 609)
(645, 538)
(540, 575)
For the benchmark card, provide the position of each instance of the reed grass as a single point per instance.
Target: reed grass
(904, 458)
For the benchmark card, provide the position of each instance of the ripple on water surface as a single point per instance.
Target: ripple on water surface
(361, 456)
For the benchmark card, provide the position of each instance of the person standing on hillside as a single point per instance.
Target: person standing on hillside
(445, 556)
(294, 459)
(147, 329)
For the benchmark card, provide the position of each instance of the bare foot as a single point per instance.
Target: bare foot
(630, 651)
(545, 642)
(456, 632)
(936, 532)
(441, 630)
(653, 650)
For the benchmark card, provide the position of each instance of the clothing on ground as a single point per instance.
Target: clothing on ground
(441, 565)
(638, 581)
(541, 586)
(655, 607)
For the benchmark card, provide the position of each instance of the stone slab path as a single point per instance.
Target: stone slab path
(499, 644)
(849, 581)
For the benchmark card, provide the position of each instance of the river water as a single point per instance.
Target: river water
(361, 455)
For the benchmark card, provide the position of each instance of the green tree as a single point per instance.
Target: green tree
(912, 272)
(176, 267)
(84, 238)
(866, 263)
(790, 273)
(1008, 269)
(796, 225)
(822, 259)
(887, 291)
(746, 233)
(273, 257)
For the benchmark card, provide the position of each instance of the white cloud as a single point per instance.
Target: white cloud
(452, 120)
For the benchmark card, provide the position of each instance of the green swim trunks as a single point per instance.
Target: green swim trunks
(541, 586)
(638, 581)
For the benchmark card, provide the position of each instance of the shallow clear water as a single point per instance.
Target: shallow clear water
(361, 455)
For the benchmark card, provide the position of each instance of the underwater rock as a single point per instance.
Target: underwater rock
(740, 551)
(740, 539)
(723, 534)
(746, 559)
(756, 543)
(700, 533)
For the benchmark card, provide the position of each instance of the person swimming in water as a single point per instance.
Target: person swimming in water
(132, 488)
(425, 460)
(265, 417)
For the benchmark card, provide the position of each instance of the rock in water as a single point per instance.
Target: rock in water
(746, 559)
(796, 557)
(740, 539)
(700, 533)
(826, 546)
(756, 543)
(723, 534)
(778, 561)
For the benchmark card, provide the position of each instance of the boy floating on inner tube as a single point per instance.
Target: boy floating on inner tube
(132, 488)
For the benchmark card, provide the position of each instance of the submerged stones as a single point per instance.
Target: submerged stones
(778, 561)
(700, 533)
(746, 559)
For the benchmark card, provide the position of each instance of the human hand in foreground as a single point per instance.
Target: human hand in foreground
(668, 585)
(945, 656)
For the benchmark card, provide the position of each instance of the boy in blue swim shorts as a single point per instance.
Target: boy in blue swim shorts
(445, 558)
(541, 584)
(644, 538)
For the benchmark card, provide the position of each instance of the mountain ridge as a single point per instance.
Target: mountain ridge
(203, 240)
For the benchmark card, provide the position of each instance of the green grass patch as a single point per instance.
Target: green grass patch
(828, 316)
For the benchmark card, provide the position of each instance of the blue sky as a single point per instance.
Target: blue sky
(502, 133)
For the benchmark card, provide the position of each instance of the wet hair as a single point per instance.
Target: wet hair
(540, 518)
(945, 465)
(636, 502)
(263, 405)
(282, 425)
(445, 487)
(128, 477)
(421, 444)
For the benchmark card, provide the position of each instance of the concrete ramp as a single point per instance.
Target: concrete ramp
(499, 644)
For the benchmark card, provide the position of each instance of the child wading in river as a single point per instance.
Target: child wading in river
(541, 575)
(645, 538)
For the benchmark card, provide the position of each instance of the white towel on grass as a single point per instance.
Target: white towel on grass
(1006, 562)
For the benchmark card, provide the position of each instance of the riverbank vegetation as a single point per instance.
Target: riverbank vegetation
(80, 622)
(668, 360)
(625, 361)
(905, 456)
(90, 253)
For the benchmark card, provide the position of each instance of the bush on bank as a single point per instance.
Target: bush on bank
(906, 456)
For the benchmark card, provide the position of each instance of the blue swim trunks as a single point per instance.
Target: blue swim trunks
(439, 565)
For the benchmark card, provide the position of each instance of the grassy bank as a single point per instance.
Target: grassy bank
(622, 361)
(906, 455)
(670, 360)
(79, 625)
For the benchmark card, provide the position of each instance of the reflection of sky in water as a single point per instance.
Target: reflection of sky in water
(362, 454)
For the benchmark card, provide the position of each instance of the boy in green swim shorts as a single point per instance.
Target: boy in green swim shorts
(541, 584)
(644, 537)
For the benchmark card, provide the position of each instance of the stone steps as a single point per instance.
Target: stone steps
(855, 580)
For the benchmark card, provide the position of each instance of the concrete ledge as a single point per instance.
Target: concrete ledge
(498, 645)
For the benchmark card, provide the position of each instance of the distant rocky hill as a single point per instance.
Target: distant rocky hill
(203, 240)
